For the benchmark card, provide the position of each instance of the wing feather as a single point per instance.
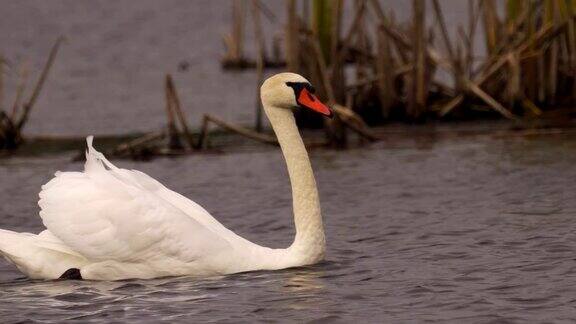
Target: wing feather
(107, 213)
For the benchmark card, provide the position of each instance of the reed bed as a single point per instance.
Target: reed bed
(13, 118)
(177, 138)
(380, 70)
(373, 69)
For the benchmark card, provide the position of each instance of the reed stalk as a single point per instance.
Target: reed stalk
(513, 11)
(178, 112)
(173, 136)
(418, 80)
(292, 37)
(322, 25)
(384, 67)
(11, 126)
(491, 25)
(391, 66)
(237, 40)
(23, 79)
(203, 137)
(27, 108)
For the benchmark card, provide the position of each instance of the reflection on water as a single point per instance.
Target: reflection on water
(462, 230)
(304, 281)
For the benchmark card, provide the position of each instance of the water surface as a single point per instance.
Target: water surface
(476, 230)
(461, 230)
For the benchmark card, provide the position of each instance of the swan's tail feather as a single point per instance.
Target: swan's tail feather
(11, 243)
(38, 256)
(95, 159)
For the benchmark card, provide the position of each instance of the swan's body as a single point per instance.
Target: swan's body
(108, 223)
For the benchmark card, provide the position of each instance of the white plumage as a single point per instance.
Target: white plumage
(113, 223)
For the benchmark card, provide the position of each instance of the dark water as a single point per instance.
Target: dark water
(477, 230)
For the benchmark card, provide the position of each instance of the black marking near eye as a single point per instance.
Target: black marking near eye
(298, 86)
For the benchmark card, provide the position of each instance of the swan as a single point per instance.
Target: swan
(108, 223)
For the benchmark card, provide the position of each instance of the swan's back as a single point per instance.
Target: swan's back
(113, 215)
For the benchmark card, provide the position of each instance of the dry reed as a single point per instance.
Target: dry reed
(379, 70)
(12, 123)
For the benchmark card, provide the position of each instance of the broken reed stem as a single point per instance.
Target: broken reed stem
(173, 136)
(202, 138)
(179, 112)
(444, 30)
(9, 136)
(264, 9)
(344, 115)
(473, 18)
(378, 10)
(418, 103)
(399, 71)
(137, 143)
(39, 84)
(23, 79)
(490, 101)
(323, 69)
(354, 122)
(335, 132)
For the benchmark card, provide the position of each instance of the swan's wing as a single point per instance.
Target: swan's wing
(186, 205)
(105, 213)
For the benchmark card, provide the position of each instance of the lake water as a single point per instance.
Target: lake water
(462, 230)
(475, 230)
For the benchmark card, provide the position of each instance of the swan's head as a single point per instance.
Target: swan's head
(289, 91)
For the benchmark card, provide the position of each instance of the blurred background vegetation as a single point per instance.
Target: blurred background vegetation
(382, 69)
(374, 68)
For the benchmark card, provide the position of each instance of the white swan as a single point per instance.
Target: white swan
(108, 223)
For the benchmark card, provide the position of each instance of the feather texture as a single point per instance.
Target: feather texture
(113, 224)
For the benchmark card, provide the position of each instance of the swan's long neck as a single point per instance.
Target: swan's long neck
(309, 243)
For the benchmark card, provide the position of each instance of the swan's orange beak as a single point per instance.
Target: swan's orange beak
(308, 100)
